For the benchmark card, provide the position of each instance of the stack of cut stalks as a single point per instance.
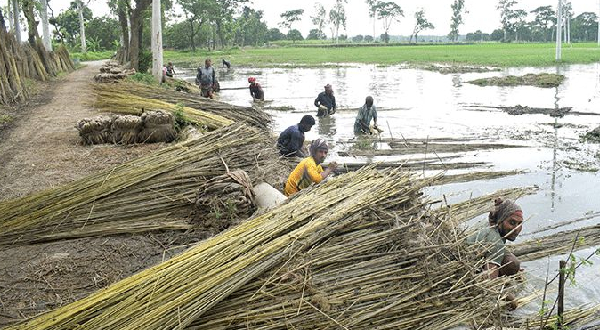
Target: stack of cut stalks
(155, 192)
(112, 72)
(360, 251)
(131, 97)
(150, 127)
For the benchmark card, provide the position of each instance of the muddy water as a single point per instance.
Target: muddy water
(415, 103)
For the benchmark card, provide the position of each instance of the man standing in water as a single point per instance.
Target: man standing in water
(206, 79)
(505, 222)
(256, 90)
(291, 140)
(309, 170)
(326, 102)
(364, 116)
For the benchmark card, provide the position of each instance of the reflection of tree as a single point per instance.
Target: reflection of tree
(327, 126)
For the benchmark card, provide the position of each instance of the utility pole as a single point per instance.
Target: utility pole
(81, 26)
(157, 51)
(559, 18)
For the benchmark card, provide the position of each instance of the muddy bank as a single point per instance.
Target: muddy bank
(544, 80)
(459, 69)
(526, 110)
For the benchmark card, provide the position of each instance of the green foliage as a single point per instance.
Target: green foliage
(103, 33)
(180, 120)
(457, 10)
(144, 78)
(289, 17)
(145, 61)
(4, 119)
(67, 24)
(295, 35)
(92, 56)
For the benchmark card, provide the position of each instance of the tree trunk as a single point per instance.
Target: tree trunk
(192, 44)
(156, 41)
(16, 25)
(10, 16)
(136, 32)
(81, 26)
(123, 53)
(45, 25)
(31, 23)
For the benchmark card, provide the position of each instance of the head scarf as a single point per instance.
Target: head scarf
(251, 80)
(316, 145)
(328, 87)
(504, 210)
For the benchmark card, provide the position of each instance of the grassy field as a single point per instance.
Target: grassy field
(486, 54)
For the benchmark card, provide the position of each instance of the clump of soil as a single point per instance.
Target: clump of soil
(592, 136)
(459, 69)
(525, 110)
(545, 80)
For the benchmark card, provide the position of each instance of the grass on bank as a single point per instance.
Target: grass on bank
(483, 54)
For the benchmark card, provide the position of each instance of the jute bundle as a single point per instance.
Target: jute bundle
(223, 201)
(109, 77)
(108, 98)
(142, 194)
(158, 126)
(95, 130)
(359, 251)
(125, 129)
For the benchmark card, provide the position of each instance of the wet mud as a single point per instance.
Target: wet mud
(459, 69)
(544, 80)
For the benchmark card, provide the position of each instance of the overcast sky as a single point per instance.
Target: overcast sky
(482, 14)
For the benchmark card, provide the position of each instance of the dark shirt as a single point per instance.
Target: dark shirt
(206, 76)
(325, 100)
(256, 91)
(170, 71)
(290, 141)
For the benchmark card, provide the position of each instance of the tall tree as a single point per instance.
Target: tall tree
(388, 12)
(289, 17)
(222, 14)
(507, 15)
(197, 14)
(373, 12)
(81, 26)
(519, 22)
(585, 26)
(567, 16)
(421, 24)
(337, 17)
(319, 19)
(458, 6)
(543, 22)
(16, 24)
(45, 25)
(137, 25)
(156, 41)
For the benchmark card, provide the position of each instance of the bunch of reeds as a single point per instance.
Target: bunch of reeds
(359, 251)
(126, 128)
(141, 194)
(113, 99)
(158, 126)
(95, 130)
(223, 201)
(254, 117)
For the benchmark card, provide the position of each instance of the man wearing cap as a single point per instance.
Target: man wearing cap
(505, 222)
(326, 102)
(309, 170)
(291, 140)
(255, 90)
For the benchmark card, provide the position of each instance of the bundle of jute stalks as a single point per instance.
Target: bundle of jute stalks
(150, 193)
(150, 127)
(109, 99)
(360, 251)
(223, 201)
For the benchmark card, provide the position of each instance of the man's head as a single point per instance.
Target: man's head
(170, 64)
(207, 62)
(369, 101)
(318, 150)
(328, 89)
(508, 218)
(251, 80)
(306, 123)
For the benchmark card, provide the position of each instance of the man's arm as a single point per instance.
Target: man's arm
(318, 101)
(333, 105)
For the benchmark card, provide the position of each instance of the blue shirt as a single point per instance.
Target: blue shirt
(326, 100)
(290, 141)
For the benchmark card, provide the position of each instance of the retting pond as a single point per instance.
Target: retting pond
(415, 103)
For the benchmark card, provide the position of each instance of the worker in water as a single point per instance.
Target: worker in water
(325, 102)
(291, 140)
(206, 79)
(310, 170)
(505, 223)
(364, 116)
(256, 90)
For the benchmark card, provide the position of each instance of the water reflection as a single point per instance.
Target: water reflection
(326, 126)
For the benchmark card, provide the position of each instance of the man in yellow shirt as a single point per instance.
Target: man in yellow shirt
(309, 170)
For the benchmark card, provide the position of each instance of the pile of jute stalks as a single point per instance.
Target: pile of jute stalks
(361, 251)
(155, 192)
(150, 127)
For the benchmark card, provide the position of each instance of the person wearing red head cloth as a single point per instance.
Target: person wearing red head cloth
(255, 90)
(505, 222)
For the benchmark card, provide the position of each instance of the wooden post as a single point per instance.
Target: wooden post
(156, 40)
(81, 26)
(561, 293)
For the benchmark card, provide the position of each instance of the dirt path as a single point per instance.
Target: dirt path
(41, 150)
